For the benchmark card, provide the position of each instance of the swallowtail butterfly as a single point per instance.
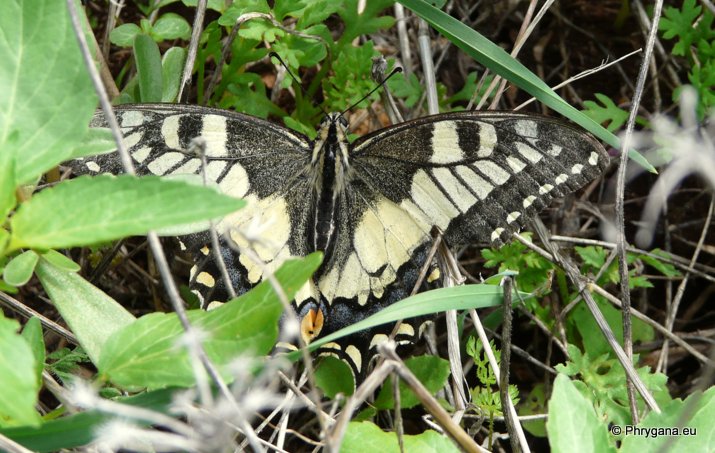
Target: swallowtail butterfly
(370, 206)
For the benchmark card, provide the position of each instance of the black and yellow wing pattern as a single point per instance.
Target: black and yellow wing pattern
(371, 206)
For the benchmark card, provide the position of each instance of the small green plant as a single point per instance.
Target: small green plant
(600, 379)
(485, 396)
(535, 276)
(605, 111)
(691, 26)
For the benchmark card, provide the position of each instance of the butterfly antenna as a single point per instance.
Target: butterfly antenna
(285, 66)
(393, 72)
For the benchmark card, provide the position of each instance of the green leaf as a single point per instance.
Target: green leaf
(7, 185)
(500, 62)
(216, 5)
(149, 73)
(17, 377)
(317, 12)
(366, 436)
(237, 9)
(171, 26)
(696, 414)
(352, 77)
(4, 239)
(102, 208)
(592, 256)
(247, 94)
(601, 382)
(79, 429)
(59, 260)
(123, 36)
(610, 113)
(98, 140)
(432, 371)
(334, 376)
(407, 88)
(363, 21)
(679, 23)
(90, 313)
(46, 100)
(664, 268)
(32, 333)
(172, 66)
(19, 270)
(572, 421)
(147, 353)
(66, 363)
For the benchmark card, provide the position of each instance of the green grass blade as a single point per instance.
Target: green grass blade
(500, 62)
(435, 301)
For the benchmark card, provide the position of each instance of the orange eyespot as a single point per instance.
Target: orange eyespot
(311, 325)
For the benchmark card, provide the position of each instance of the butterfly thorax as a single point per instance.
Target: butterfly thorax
(329, 165)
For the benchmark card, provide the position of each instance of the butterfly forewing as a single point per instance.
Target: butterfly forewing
(247, 157)
(477, 176)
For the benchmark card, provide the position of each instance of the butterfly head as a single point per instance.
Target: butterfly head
(333, 128)
(332, 138)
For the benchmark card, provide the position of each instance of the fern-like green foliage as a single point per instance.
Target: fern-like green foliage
(486, 395)
(691, 27)
(600, 379)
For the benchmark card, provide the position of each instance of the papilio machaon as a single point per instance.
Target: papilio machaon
(370, 205)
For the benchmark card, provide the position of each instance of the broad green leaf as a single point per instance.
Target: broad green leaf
(172, 65)
(573, 421)
(500, 62)
(696, 414)
(123, 36)
(366, 436)
(171, 26)
(148, 353)
(19, 270)
(79, 429)
(432, 371)
(46, 99)
(216, 5)
(434, 301)
(91, 314)
(237, 9)
(17, 377)
(32, 333)
(4, 238)
(59, 260)
(7, 185)
(98, 140)
(90, 210)
(334, 376)
(148, 60)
